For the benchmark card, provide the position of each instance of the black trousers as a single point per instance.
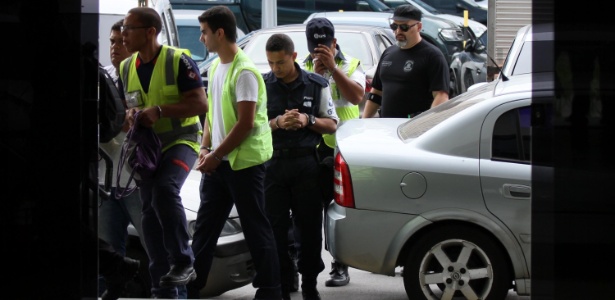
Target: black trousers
(293, 184)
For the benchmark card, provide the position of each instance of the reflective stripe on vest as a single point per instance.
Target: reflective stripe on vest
(170, 130)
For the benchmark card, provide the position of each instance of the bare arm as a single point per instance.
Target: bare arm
(439, 97)
(371, 107)
(246, 111)
(350, 89)
(325, 60)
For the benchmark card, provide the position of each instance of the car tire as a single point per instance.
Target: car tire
(453, 89)
(434, 258)
(468, 80)
(140, 286)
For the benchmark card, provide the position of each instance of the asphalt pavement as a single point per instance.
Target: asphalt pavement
(363, 286)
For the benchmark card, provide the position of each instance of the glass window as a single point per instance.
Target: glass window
(525, 64)
(511, 136)
(189, 39)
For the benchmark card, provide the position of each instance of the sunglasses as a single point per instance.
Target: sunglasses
(403, 27)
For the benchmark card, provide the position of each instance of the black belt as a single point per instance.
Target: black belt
(293, 152)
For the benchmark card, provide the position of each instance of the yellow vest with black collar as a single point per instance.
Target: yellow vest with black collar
(163, 90)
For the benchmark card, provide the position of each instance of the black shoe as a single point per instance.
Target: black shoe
(116, 282)
(310, 294)
(339, 275)
(178, 275)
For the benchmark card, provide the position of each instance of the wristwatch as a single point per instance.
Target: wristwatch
(311, 120)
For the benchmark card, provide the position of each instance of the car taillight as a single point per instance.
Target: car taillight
(342, 183)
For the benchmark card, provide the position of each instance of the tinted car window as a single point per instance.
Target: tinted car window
(350, 5)
(190, 40)
(511, 136)
(525, 65)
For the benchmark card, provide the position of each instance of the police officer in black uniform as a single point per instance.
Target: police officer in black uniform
(300, 110)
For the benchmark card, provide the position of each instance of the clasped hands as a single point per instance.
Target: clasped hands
(292, 119)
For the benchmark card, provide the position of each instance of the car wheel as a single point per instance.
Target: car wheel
(140, 286)
(452, 84)
(456, 261)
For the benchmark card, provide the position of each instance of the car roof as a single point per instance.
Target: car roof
(374, 18)
(357, 27)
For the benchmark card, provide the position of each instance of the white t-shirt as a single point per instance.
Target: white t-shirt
(246, 89)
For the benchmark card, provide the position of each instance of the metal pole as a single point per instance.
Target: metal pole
(269, 17)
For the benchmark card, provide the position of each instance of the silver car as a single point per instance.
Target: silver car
(444, 195)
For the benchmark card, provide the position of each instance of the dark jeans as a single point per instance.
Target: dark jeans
(109, 259)
(114, 216)
(243, 188)
(293, 184)
(164, 220)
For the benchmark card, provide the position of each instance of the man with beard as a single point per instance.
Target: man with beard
(412, 76)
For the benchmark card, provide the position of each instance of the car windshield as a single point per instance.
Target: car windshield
(349, 43)
(420, 124)
(424, 6)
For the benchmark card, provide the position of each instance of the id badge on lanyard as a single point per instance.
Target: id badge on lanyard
(134, 99)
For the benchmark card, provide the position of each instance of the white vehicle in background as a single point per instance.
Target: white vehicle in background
(111, 11)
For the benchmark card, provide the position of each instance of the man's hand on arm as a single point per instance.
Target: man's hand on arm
(246, 111)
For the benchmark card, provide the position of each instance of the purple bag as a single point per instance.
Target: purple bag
(142, 150)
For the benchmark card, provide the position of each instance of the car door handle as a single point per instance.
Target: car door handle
(516, 191)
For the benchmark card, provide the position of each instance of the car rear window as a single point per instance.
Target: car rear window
(420, 124)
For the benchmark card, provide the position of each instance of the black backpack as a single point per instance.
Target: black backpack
(111, 111)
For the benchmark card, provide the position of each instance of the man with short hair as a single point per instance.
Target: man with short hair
(114, 215)
(163, 83)
(347, 84)
(236, 144)
(411, 76)
(300, 110)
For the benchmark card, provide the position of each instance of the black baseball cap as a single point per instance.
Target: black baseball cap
(406, 12)
(319, 31)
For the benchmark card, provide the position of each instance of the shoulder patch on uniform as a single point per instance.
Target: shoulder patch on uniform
(267, 76)
(317, 78)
